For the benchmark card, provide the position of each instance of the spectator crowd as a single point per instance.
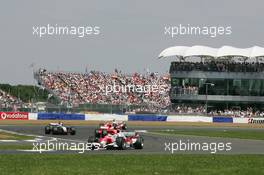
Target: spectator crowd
(9, 101)
(200, 110)
(184, 109)
(249, 112)
(214, 66)
(90, 87)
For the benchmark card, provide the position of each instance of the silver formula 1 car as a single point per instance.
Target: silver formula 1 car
(59, 129)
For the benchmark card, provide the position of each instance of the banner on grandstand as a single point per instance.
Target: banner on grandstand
(240, 120)
(256, 120)
(13, 115)
(220, 119)
(106, 117)
(146, 117)
(189, 118)
(60, 116)
(32, 116)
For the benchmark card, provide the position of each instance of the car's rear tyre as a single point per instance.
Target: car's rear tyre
(62, 132)
(109, 148)
(139, 144)
(120, 143)
(47, 130)
(54, 131)
(124, 127)
(72, 131)
(96, 133)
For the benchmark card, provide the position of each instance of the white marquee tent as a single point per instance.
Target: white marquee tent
(252, 53)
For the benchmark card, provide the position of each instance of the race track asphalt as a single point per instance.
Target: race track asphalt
(153, 143)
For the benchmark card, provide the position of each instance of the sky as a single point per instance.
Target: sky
(131, 33)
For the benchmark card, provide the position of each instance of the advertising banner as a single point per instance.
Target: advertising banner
(60, 116)
(138, 117)
(184, 118)
(223, 119)
(240, 120)
(106, 117)
(256, 120)
(13, 115)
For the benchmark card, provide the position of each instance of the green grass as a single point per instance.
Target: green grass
(9, 136)
(241, 134)
(15, 147)
(130, 164)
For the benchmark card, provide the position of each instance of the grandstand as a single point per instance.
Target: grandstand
(86, 89)
(203, 80)
(225, 80)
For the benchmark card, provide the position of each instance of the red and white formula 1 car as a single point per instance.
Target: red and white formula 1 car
(117, 139)
(113, 125)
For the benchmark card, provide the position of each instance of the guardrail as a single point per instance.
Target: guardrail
(132, 117)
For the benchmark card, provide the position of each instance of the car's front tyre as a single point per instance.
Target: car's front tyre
(139, 144)
(120, 143)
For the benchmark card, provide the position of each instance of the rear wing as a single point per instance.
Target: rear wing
(129, 134)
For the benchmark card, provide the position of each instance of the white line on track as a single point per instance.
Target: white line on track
(9, 140)
(30, 140)
(40, 138)
(142, 131)
(37, 151)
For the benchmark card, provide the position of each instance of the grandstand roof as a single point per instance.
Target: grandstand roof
(224, 51)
